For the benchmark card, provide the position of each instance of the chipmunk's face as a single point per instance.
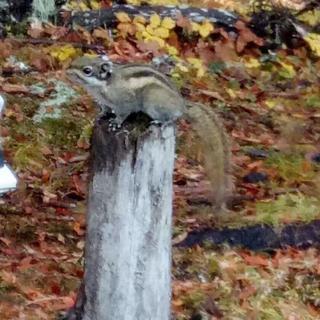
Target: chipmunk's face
(90, 71)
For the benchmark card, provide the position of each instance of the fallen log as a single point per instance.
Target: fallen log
(261, 237)
(107, 17)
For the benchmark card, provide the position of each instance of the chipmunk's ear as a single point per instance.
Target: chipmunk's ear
(105, 70)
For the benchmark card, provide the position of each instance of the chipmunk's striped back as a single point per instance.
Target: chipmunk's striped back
(144, 71)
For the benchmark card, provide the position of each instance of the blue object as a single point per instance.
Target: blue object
(255, 177)
(8, 179)
(1, 159)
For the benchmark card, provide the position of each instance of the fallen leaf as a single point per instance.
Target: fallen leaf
(7, 242)
(255, 260)
(313, 39)
(155, 20)
(101, 33)
(206, 29)
(77, 229)
(123, 17)
(168, 23)
(8, 277)
(245, 36)
(14, 88)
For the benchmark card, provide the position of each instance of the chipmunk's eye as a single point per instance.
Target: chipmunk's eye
(87, 71)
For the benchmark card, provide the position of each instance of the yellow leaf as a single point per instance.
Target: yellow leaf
(231, 93)
(163, 2)
(83, 7)
(134, 2)
(313, 39)
(172, 50)
(168, 23)
(123, 17)
(252, 63)
(91, 55)
(140, 27)
(197, 63)
(200, 72)
(150, 29)
(64, 53)
(160, 41)
(175, 75)
(155, 20)
(95, 5)
(157, 39)
(146, 35)
(182, 67)
(205, 29)
(161, 33)
(139, 35)
(195, 26)
(288, 70)
(72, 5)
(310, 17)
(139, 19)
(270, 103)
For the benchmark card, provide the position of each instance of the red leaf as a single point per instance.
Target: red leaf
(245, 36)
(25, 263)
(79, 184)
(14, 88)
(55, 288)
(7, 242)
(255, 260)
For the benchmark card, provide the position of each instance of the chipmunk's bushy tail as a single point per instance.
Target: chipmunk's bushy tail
(216, 149)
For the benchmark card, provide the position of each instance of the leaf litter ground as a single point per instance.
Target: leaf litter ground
(270, 106)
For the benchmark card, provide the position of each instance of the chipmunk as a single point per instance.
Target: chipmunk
(131, 88)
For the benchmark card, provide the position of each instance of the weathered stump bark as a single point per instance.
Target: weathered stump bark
(128, 241)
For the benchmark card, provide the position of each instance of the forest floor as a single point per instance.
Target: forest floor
(269, 101)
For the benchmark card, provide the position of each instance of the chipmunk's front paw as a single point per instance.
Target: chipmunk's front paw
(114, 125)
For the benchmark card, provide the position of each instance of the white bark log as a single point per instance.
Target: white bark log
(128, 244)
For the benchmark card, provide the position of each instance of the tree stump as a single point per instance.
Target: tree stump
(128, 241)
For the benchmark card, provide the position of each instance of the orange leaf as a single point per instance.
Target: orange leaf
(183, 22)
(256, 260)
(25, 263)
(246, 36)
(101, 33)
(8, 277)
(123, 17)
(77, 229)
(139, 20)
(14, 88)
